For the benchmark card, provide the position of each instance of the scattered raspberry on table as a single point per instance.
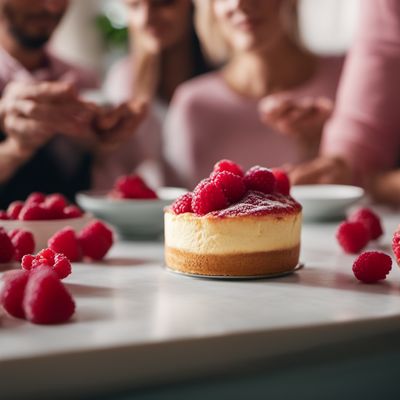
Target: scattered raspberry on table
(372, 266)
(352, 236)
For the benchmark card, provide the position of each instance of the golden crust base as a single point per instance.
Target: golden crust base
(251, 264)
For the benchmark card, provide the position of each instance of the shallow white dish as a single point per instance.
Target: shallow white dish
(132, 218)
(43, 230)
(326, 202)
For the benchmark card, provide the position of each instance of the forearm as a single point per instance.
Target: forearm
(364, 127)
(146, 76)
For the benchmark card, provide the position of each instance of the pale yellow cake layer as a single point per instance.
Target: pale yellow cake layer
(204, 235)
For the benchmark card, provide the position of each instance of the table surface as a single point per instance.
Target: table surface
(138, 324)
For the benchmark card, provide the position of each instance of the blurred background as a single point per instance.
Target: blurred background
(103, 25)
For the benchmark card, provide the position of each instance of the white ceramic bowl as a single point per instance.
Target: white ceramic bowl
(131, 218)
(44, 230)
(326, 202)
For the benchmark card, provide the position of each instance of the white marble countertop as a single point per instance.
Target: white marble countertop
(137, 323)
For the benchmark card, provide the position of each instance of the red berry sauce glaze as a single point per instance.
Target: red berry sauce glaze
(258, 204)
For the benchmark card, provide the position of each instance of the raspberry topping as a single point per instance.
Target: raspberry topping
(282, 181)
(396, 245)
(33, 212)
(372, 266)
(207, 197)
(12, 292)
(229, 166)
(14, 209)
(4, 215)
(35, 198)
(183, 204)
(132, 187)
(38, 207)
(72, 212)
(58, 262)
(227, 193)
(23, 242)
(260, 179)
(352, 236)
(96, 239)
(66, 242)
(371, 221)
(55, 204)
(232, 185)
(258, 203)
(6, 247)
(46, 300)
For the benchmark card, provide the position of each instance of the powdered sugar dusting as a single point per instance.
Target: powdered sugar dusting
(258, 203)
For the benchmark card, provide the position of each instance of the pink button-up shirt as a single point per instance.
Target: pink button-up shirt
(56, 70)
(365, 128)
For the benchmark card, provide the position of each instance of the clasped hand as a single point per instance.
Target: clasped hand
(32, 113)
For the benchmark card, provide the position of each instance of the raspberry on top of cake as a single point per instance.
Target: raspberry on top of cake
(230, 192)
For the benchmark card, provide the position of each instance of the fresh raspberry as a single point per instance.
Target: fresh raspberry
(62, 266)
(352, 236)
(46, 300)
(232, 185)
(6, 247)
(33, 212)
(372, 266)
(72, 212)
(23, 241)
(371, 221)
(260, 179)
(58, 262)
(133, 187)
(396, 245)
(183, 204)
(66, 242)
(230, 166)
(55, 204)
(14, 209)
(282, 181)
(12, 293)
(208, 197)
(28, 261)
(35, 198)
(96, 239)
(4, 215)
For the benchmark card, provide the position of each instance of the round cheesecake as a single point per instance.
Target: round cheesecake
(260, 235)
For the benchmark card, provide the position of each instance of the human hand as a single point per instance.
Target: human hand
(321, 170)
(116, 125)
(32, 113)
(304, 119)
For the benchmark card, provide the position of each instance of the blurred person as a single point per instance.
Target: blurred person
(48, 133)
(218, 115)
(164, 52)
(362, 143)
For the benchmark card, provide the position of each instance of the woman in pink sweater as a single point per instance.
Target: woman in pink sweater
(218, 115)
(362, 142)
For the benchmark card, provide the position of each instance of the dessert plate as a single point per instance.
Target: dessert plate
(132, 218)
(326, 202)
(236, 278)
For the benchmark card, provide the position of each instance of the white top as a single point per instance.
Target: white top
(134, 319)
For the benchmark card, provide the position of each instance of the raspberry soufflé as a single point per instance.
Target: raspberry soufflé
(234, 224)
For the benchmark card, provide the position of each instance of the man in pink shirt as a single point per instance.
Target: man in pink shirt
(48, 134)
(362, 139)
